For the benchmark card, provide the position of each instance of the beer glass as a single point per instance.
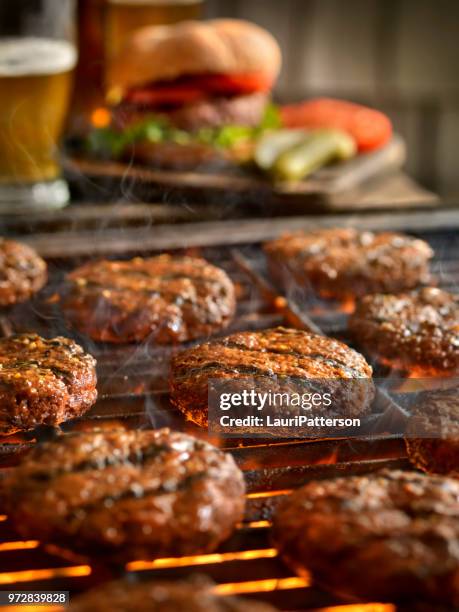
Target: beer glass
(37, 58)
(124, 16)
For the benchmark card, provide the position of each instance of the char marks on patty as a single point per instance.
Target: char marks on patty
(165, 298)
(43, 382)
(270, 356)
(432, 434)
(22, 272)
(418, 329)
(391, 535)
(345, 263)
(136, 494)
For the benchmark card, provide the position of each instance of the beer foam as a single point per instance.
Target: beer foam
(35, 56)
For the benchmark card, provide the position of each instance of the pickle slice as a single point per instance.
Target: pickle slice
(318, 148)
(274, 144)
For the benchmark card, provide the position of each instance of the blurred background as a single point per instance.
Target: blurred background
(397, 55)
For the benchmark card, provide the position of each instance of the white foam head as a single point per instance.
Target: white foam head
(35, 56)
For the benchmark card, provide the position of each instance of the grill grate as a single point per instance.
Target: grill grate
(133, 394)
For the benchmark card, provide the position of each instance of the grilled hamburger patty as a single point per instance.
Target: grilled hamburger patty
(345, 263)
(245, 110)
(43, 381)
(171, 299)
(419, 329)
(127, 494)
(390, 535)
(194, 595)
(432, 435)
(22, 272)
(271, 355)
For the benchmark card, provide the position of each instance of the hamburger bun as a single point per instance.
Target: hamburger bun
(219, 46)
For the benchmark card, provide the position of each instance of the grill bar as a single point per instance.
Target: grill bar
(133, 394)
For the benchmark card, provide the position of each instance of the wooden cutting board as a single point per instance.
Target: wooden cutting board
(336, 187)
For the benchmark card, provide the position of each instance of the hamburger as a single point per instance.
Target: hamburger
(191, 92)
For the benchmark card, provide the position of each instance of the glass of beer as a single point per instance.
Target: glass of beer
(124, 16)
(37, 59)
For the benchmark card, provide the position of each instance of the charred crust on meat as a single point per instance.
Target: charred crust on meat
(22, 272)
(43, 382)
(165, 298)
(127, 494)
(269, 355)
(418, 329)
(432, 434)
(398, 530)
(344, 263)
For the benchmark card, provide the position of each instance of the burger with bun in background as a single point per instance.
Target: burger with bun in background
(191, 93)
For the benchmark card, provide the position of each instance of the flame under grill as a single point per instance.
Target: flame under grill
(133, 396)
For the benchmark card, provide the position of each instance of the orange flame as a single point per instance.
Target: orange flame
(369, 607)
(345, 306)
(254, 525)
(414, 371)
(45, 574)
(261, 494)
(25, 545)
(330, 459)
(259, 586)
(169, 562)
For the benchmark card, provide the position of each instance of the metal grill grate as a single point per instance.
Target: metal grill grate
(133, 394)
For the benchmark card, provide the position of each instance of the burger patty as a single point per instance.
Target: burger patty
(432, 435)
(22, 272)
(391, 535)
(269, 356)
(247, 110)
(345, 263)
(193, 595)
(419, 329)
(170, 299)
(43, 382)
(177, 156)
(127, 494)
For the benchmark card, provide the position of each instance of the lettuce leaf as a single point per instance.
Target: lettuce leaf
(271, 119)
(111, 143)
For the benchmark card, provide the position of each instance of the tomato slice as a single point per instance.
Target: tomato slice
(370, 128)
(235, 83)
(193, 88)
